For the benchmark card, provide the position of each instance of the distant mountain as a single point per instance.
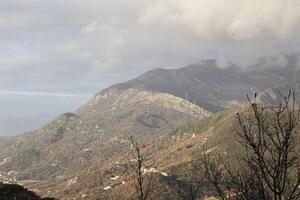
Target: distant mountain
(213, 88)
(22, 112)
(171, 111)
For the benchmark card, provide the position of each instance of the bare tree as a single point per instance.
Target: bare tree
(269, 167)
(192, 188)
(143, 183)
(216, 175)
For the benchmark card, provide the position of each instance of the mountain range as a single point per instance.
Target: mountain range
(171, 112)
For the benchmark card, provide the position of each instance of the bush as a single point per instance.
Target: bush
(18, 192)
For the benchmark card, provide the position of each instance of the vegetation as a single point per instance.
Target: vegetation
(17, 192)
(269, 168)
(96, 158)
(143, 182)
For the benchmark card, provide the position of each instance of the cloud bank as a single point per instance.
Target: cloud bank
(233, 20)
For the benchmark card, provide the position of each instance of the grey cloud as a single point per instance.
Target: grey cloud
(232, 19)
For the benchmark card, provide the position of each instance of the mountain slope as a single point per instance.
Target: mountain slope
(213, 88)
(170, 157)
(82, 153)
(95, 135)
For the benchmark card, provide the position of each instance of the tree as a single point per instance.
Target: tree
(143, 183)
(192, 188)
(217, 176)
(269, 168)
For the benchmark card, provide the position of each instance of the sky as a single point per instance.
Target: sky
(71, 49)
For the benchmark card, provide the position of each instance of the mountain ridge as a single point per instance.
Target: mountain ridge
(172, 112)
(211, 87)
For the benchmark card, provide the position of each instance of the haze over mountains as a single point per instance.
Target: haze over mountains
(22, 112)
(86, 150)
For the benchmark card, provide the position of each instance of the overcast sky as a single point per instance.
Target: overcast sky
(81, 46)
(78, 47)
